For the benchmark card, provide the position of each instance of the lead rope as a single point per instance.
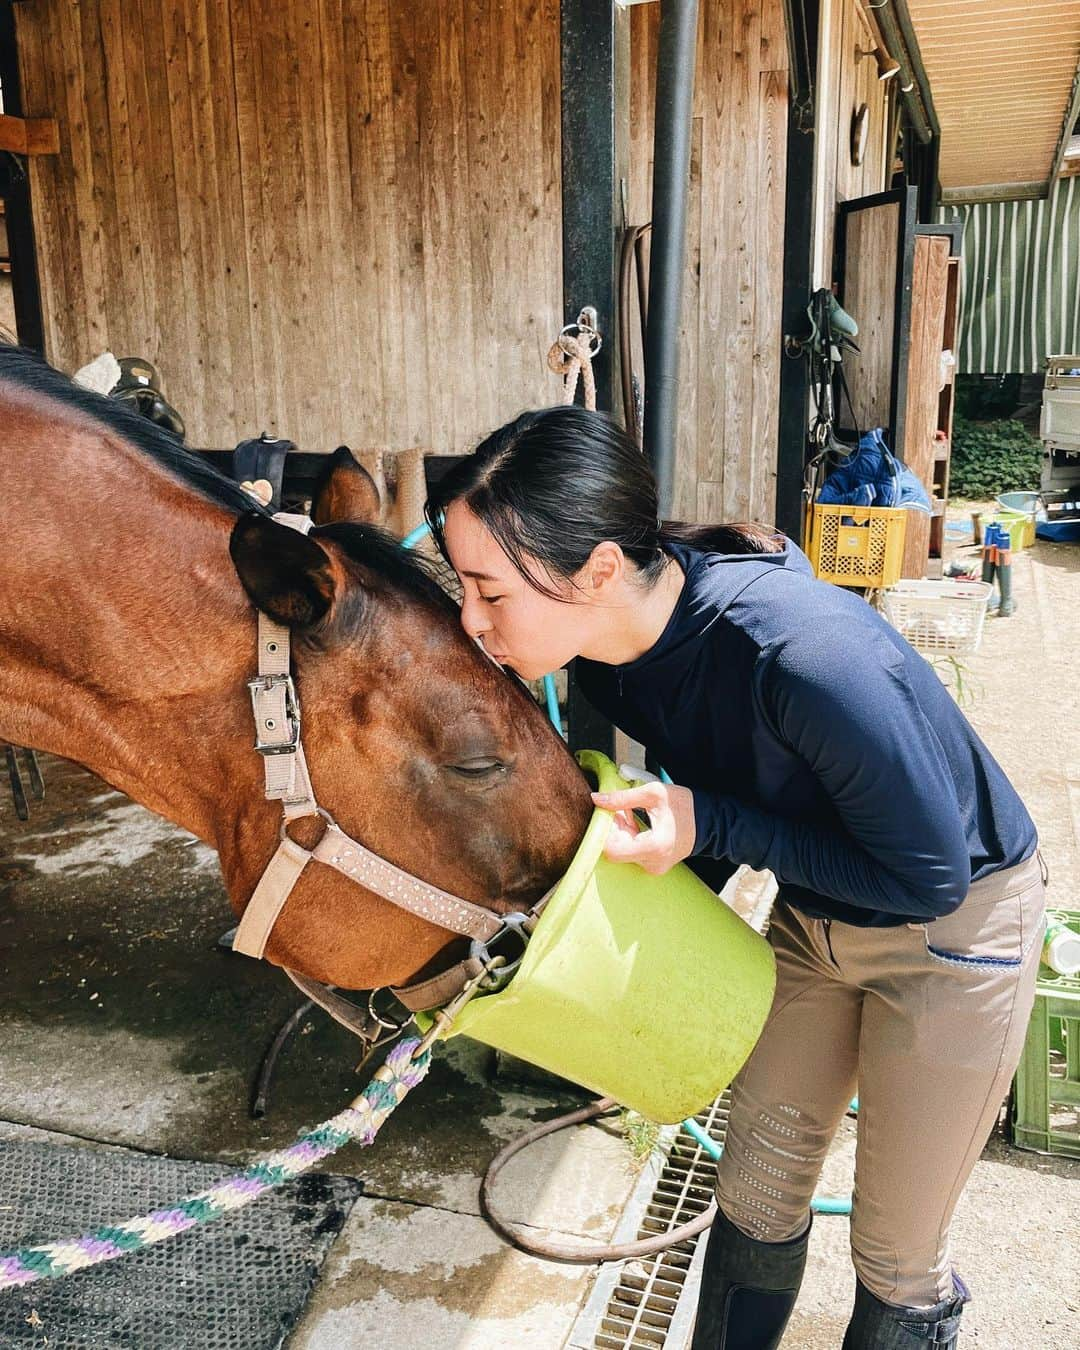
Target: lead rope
(360, 1122)
(572, 354)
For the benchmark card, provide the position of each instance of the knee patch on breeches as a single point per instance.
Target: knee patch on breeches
(766, 1177)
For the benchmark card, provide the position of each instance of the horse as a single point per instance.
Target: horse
(132, 576)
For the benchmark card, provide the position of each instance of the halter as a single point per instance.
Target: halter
(276, 709)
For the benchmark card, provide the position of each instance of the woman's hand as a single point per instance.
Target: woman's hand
(672, 831)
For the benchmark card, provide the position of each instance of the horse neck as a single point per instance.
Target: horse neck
(126, 635)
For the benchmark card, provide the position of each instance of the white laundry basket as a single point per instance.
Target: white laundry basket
(940, 618)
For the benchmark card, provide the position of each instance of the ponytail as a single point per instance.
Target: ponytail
(744, 537)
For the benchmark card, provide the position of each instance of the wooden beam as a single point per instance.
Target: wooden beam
(993, 192)
(29, 135)
(1071, 115)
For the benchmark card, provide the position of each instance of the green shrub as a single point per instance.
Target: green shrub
(993, 457)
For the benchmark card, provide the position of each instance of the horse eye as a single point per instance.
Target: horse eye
(478, 768)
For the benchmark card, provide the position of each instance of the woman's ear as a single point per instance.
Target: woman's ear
(605, 569)
(286, 574)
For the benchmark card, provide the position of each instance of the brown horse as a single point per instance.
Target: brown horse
(127, 637)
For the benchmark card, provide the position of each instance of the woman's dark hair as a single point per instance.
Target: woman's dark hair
(554, 483)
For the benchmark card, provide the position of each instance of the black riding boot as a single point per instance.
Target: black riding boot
(748, 1289)
(876, 1325)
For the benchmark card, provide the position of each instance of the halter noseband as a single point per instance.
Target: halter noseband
(276, 709)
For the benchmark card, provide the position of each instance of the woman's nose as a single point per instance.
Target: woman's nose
(473, 619)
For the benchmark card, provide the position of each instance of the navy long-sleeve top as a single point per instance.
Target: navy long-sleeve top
(817, 742)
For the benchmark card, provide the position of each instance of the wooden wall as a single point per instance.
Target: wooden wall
(844, 84)
(335, 220)
(726, 448)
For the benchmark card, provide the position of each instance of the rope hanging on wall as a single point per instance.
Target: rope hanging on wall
(572, 354)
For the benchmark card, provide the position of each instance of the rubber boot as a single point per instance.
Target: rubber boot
(988, 554)
(876, 1325)
(1004, 580)
(748, 1289)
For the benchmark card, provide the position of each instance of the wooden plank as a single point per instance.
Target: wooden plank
(769, 246)
(318, 399)
(447, 271)
(489, 99)
(402, 222)
(550, 299)
(533, 313)
(869, 295)
(151, 38)
(928, 301)
(188, 163)
(141, 184)
(738, 277)
(372, 310)
(774, 48)
(684, 496)
(232, 413)
(29, 135)
(75, 205)
(127, 297)
(258, 205)
(714, 315)
(338, 121)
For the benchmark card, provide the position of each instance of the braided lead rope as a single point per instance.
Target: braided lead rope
(571, 356)
(360, 1121)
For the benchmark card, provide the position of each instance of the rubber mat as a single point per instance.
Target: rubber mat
(239, 1282)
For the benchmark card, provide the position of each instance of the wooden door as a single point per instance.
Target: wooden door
(894, 277)
(875, 254)
(929, 388)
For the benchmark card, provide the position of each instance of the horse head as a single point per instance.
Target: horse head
(129, 637)
(418, 745)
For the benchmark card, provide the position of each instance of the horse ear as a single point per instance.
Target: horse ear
(346, 491)
(288, 576)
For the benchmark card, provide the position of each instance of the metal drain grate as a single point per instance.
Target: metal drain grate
(640, 1305)
(649, 1303)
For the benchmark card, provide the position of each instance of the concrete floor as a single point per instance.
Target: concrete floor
(123, 1024)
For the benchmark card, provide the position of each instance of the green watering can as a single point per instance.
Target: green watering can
(642, 988)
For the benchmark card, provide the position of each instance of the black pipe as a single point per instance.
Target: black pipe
(675, 61)
(894, 25)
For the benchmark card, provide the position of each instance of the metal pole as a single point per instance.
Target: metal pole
(595, 93)
(675, 61)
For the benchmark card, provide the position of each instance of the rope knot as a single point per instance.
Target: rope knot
(571, 355)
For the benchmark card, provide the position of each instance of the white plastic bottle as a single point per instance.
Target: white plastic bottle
(1061, 948)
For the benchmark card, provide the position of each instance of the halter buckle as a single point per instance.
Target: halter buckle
(273, 697)
(498, 976)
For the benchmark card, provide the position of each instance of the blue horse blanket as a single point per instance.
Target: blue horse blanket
(873, 476)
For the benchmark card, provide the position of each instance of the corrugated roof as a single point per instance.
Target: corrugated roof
(1002, 73)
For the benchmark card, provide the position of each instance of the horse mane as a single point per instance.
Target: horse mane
(380, 552)
(368, 545)
(28, 370)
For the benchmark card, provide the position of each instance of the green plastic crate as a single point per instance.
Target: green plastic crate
(1046, 1089)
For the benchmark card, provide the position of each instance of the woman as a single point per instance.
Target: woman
(804, 736)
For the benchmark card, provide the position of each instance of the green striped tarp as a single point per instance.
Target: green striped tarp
(1020, 281)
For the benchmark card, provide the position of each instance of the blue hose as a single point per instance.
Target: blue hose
(414, 536)
(821, 1204)
(551, 698)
